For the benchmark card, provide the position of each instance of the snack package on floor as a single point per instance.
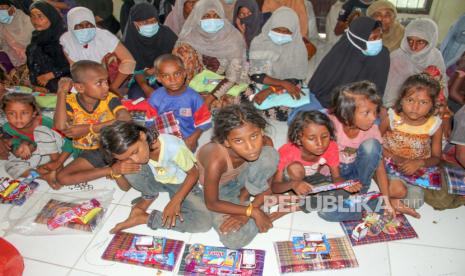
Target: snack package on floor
(199, 259)
(455, 177)
(157, 252)
(310, 244)
(66, 213)
(333, 186)
(340, 256)
(358, 199)
(428, 178)
(374, 228)
(16, 192)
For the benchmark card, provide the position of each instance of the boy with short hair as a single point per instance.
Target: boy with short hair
(187, 105)
(81, 116)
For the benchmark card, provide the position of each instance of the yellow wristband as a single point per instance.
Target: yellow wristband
(114, 175)
(91, 129)
(249, 210)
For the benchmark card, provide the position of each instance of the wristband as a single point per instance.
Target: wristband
(248, 213)
(113, 175)
(91, 130)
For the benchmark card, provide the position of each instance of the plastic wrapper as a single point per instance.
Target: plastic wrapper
(64, 214)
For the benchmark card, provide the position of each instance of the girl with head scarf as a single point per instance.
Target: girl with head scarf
(417, 51)
(248, 19)
(146, 39)
(278, 58)
(209, 41)
(386, 13)
(297, 5)
(178, 15)
(15, 34)
(358, 55)
(85, 41)
(45, 58)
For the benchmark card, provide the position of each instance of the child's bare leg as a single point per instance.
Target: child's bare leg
(51, 179)
(137, 216)
(398, 191)
(80, 171)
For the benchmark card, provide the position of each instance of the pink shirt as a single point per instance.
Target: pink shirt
(289, 153)
(348, 146)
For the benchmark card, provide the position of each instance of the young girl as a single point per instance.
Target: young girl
(310, 152)
(152, 163)
(354, 111)
(237, 157)
(412, 140)
(33, 143)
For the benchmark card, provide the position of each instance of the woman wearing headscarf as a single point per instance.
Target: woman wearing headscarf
(45, 58)
(178, 15)
(15, 34)
(209, 41)
(358, 55)
(248, 19)
(453, 44)
(278, 58)
(103, 11)
(146, 39)
(297, 5)
(417, 51)
(386, 13)
(85, 41)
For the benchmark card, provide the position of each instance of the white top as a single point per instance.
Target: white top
(103, 43)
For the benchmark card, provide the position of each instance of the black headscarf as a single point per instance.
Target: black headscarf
(253, 23)
(6, 2)
(56, 29)
(345, 63)
(146, 49)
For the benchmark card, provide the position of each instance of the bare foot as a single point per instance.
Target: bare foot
(136, 217)
(402, 208)
(51, 180)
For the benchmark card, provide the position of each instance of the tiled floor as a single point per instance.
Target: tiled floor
(439, 250)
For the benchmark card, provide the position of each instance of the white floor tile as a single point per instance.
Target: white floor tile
(313, 223)
(423, 260)
(37, 268)
(9, 213)
(76, 272)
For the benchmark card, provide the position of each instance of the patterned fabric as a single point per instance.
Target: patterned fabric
(340, 256)
(166, 123)
(123, 240)
(405, 231)
(187, 268)
(111, 63)
(429, 177)
(23, 195)
(455, 177)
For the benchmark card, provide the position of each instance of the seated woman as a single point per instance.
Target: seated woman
(248, 19)
(178, 15)
(417, 51)
(393, 32)
(457, 84)
(15, 34)
(45, 58)
(146, 39)
(358, 55)
(85, 41)
(209, 41)
(278, 58)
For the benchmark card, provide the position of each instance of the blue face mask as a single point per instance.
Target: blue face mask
(212, 26)
(278, 38)
(374, 47)
(84, 36)
(229, 2)
(5, 18)
(149, 30)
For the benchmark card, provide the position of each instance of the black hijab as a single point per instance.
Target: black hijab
(345, 63)
(253, 23)
(146, 49)
(56, 29)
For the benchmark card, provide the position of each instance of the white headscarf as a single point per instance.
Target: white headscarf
(227, 43)
(103, 43)
(288, 61)
(405, 62)
(175, 19)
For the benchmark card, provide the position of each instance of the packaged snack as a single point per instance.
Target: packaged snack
(310, 244)
(75, 214)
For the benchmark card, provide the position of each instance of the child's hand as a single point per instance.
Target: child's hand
(45, 78)
(5, 149)
(262, 220)
(64, 85)
(244, 195)
(24, 151)
(301, 188)
(76, 131)
(261, 96)
(233, 223)
(171, 212)
(125, 167)
(292, 89)
(191, 142)
(409, 167)
(50, 166)
(354, 188)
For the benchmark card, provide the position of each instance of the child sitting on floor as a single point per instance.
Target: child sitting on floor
(152, 163)
(412, 140)
(236, 158)
(187, 105)
(81, 116)
(33, 143)
(310, 155)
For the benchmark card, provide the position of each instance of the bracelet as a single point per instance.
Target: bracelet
(273, 89)
(113, 175)
(91, 129)
(248, 213)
